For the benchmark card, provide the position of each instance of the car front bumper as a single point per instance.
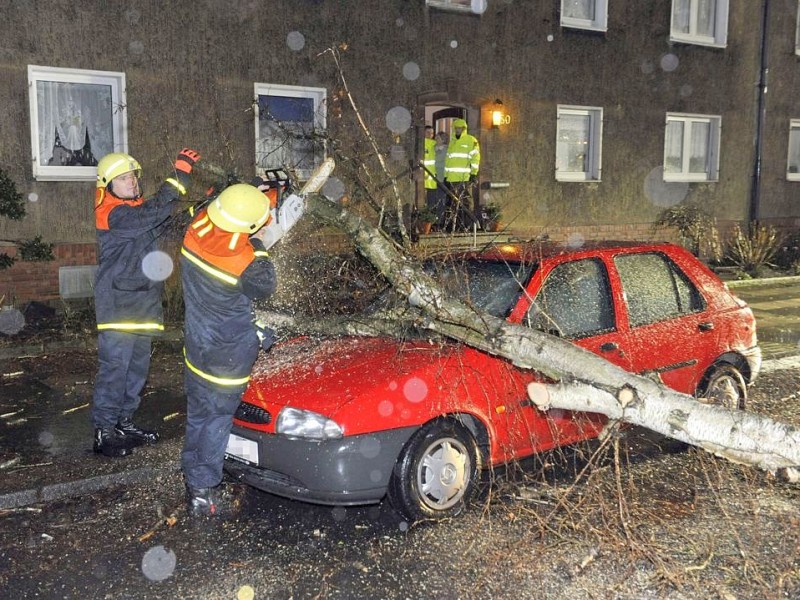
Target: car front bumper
(347, 471)
(753, 358)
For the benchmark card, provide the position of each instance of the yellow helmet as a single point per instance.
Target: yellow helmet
(239, 208)
(115, 164)
(459, 123)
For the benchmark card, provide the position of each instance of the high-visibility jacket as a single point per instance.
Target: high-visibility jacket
(127, 231)
(222, 273)
(429, 161)
(463, 158)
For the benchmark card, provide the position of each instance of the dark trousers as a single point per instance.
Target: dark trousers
(209, 417)
(436, 199)
(124, 362)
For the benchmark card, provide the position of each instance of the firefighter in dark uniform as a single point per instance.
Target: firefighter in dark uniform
(127, 302)
(223, 270)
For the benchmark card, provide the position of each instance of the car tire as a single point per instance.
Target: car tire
(436, 474)
(724, 386)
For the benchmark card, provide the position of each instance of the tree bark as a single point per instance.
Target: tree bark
(586, 382)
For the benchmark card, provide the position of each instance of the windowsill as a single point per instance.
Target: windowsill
(678, 178)
(576, 178)
(697, 41)
(584, 25)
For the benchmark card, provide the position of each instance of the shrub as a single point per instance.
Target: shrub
(753, 250)
(696, 228)
(36, 250)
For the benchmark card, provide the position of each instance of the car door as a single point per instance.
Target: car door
(572, 299)
(670, 331)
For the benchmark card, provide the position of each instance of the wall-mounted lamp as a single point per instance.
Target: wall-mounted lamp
(499, 117)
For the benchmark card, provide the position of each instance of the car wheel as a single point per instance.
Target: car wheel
(436, 475)
(725, 387)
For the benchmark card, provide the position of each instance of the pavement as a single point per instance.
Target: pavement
(45, 436)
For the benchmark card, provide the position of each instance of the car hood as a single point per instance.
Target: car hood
(324, 376)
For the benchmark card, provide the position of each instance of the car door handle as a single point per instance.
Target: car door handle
(609, 346)
(705, 326)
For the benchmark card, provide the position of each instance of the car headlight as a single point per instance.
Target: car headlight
(307, 424)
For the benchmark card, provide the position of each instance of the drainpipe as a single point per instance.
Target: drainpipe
(755, 192)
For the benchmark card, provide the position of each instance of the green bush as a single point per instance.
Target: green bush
(11, 204)
(36, 250)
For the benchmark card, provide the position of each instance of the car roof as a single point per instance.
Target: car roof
(534, 251)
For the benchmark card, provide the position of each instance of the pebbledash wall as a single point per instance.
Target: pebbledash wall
(191, 68)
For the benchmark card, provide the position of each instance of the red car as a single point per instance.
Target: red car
(352, 420)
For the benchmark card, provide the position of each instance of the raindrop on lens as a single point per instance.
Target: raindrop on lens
(375, 476)
(46, 439)
(339, 513)
(403, 526)
(295, 40)
(669, 62)
(370, 447)
(157, 265)
(398, 120)
(478, 6)
(647, 67)
(663, 193)
(158, 563)
(392, 385)
(454, 44)
(33, 197)
(333, 189)
(686, 90)
(385, 408)
(415, 390)
(411, 71)
(550, 37)
(136, 47)
(399, 22)
(575, 240)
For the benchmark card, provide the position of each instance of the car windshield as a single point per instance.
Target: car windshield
(491, 286)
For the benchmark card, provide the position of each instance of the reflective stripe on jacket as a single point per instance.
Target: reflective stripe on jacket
(127, 231)
(222, 273)
(463, 158)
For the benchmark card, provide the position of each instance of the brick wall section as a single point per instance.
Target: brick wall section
(26, 281)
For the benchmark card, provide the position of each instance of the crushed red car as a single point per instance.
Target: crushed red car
(353, 420)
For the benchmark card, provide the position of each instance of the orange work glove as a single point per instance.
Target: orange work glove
(186, 160)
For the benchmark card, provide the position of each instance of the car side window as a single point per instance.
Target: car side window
(655, 288)
(574, 301)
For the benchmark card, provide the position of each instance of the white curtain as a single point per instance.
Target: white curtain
(75, 123)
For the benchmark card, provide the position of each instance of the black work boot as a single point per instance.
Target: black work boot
(129, 429)
(109, 443)
(201, 502)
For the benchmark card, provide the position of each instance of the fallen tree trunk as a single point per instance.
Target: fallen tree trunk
(587, 381)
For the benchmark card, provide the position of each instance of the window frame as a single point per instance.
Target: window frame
(711, 173)
(594, 170)
(317, 94)
(720, 37)
(459, 6)
(794, 126)
(600, 22)
(119, 121)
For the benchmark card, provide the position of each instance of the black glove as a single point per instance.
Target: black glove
(266, 335)
(473, 178)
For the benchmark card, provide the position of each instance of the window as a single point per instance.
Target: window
(574, 301)
(703, 22)
(584, 14)
(793, 163)
(290, 126)
(655, 289)
(456, 5)
(797, 31)
(691, 148)
(77, 117)
(578, 143)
